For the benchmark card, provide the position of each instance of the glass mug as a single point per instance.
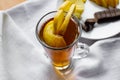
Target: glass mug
(62, 57)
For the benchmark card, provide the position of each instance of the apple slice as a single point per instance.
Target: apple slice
(65, 6)
(58, 20)
(78, 11)
(98, 2)
(64, 26)
(93, 1)
(50, 38)
(116, 2)
(107, 3)
(113, 3)
(104, 3)
(79, 8)
(84, 1)
(73, 1)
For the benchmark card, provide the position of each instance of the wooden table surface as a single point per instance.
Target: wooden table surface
(6, 4)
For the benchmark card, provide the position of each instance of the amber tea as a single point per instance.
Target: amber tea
(61, 57)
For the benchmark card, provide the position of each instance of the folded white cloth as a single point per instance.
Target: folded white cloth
(102, 62)
(22, 57)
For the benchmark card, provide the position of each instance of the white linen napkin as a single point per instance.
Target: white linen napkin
(22, 57)
(102, 62)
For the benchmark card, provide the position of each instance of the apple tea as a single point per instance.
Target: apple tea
(61, 56)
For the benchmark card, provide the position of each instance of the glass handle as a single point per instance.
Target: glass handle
(81, 50)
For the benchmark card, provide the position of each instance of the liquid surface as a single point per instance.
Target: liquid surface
(70, 34)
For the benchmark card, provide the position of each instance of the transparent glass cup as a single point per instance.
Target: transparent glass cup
(62, 57)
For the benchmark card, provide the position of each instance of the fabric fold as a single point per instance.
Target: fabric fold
(22, 57)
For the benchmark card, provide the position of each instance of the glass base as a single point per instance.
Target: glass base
(66, 69)
(61, 68)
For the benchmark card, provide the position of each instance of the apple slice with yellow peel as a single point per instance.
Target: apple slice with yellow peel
(64, 26)
(79, 8)
(93, 1)
(78, 11)
(84, 1)
(50, 38)
(58, 20)
(73, 1)
(104, 3)
(115, 3)
(98, 2)
(65, 6)
(107, 3)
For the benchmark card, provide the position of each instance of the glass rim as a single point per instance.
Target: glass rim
(58, 48)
